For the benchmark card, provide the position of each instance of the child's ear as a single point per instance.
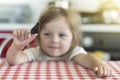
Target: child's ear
(34, 30)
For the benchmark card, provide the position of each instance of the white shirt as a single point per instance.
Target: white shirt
(34, 54)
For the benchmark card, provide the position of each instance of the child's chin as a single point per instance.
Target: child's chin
(54, 55)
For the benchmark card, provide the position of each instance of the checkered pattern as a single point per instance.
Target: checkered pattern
(53, 70)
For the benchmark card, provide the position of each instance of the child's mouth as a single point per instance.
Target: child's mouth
(55, 47)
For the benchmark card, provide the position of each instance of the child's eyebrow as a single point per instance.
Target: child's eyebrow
(45, 29)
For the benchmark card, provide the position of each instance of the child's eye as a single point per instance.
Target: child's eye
(47, 34)
(63, 35)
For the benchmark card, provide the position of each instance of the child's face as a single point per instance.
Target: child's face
(56, 37)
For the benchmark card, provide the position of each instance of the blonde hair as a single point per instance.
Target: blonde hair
(71, 17)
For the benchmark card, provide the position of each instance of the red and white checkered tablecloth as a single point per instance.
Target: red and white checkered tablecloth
(53, 70)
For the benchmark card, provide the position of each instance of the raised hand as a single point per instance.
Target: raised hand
(22, 37)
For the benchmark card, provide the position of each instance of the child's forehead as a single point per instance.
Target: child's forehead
(58, 21)
(57, 24)
(55, 29)
(59, 18)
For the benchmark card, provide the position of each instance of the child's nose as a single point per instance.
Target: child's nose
(55, 39)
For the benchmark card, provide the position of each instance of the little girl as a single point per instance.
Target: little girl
(59, 36)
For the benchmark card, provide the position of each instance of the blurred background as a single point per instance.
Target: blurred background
(100, 21)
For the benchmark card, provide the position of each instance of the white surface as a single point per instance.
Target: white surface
(85, 28)
(86, 5)
(114, 28)
(88, 41)
(9, 27)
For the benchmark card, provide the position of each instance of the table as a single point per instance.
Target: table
(53, 70)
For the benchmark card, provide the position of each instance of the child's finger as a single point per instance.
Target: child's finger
(18, 34)
(24, 33)
(100, 71)
(15, 34)
(105, 71)
(110, 72)
(27, 33)
(31, 38)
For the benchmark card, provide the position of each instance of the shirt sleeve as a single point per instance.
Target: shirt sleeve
(32, 53)
(76, 51)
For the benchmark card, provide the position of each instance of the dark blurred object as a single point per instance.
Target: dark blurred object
(34, 30)
(107, 42)
(104, 41)
(15, 14)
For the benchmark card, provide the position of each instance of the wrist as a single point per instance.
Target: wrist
(17, 47)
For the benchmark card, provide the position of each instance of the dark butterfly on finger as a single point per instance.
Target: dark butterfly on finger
(34, 30)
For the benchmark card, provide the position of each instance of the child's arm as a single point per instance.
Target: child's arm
(91, 61)
(21, 38)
